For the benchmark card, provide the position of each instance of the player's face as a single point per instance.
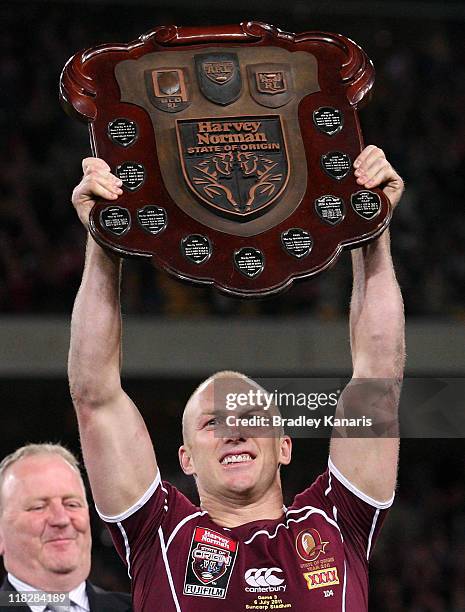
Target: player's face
(44, 525)
(243, 466)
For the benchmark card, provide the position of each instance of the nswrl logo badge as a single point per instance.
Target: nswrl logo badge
(271, 84)
(237, 166)
(209, 564)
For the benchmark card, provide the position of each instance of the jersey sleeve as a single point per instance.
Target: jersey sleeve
(154, 516)
(358, 516)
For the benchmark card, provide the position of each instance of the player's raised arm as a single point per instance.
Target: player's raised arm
(378, 350)
(117, 448)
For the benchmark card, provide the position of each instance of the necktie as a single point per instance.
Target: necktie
(56, 608)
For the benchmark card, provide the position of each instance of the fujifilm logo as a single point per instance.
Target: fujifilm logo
(264, 580)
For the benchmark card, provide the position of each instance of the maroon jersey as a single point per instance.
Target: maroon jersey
(314, 558)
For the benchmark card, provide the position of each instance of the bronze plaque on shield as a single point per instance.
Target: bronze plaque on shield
(235, 147)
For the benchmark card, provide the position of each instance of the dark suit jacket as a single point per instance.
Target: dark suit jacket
(99, 600)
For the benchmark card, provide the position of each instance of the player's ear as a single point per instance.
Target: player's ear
(285, 450)
(185, 460)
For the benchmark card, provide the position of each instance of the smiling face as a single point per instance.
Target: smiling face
(233, 463)
(45, 535)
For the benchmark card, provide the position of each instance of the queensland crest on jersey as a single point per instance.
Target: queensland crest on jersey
(309, 544)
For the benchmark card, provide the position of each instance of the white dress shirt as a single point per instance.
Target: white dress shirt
(77, 597)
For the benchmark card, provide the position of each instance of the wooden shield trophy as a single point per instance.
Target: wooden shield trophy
(235, 147)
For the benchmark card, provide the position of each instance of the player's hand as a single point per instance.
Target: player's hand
(372, 169)
(97, 182)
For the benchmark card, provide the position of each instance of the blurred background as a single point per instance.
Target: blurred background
(174, 334)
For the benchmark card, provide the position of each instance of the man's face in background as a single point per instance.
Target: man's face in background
(45, 536)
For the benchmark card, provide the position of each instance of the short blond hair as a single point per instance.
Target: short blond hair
(204, 385)
(31, 450)
(218, 376)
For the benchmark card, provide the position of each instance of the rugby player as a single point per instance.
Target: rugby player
(240, 549)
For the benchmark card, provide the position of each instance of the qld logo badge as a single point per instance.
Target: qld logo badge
(309, 544)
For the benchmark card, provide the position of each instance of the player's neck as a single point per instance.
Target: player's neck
(232, 510)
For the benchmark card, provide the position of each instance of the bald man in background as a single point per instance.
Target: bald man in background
(45, 536)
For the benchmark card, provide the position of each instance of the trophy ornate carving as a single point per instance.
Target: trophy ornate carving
(235, 146)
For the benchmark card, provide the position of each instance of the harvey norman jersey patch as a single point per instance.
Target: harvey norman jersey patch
(210, 564)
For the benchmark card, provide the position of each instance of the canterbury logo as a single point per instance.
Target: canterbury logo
(263, 577)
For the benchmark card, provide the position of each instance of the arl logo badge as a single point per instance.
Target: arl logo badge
(237, 167)
(321, 578)
(210, 564)
(271, 84)
(219, 77)
(167, 89)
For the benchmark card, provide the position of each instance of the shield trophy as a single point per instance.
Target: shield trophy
(235, 147)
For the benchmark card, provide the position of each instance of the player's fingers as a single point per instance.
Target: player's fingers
(104, 178)
(92, 164)
(104, 184)
(381, 176)
(91, 187)
(367, 174)
(370, 150)
(371, 160)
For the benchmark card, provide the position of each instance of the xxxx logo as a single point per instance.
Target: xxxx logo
(321, 578)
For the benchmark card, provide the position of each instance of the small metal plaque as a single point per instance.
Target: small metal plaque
(116, 220)
(132, 174)
(297, 242)
(153, 219)
(367, 204)
(328, 120)
(336, 164)
(330, 209)
(249, 261)
(196, 248)
(122, 131)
